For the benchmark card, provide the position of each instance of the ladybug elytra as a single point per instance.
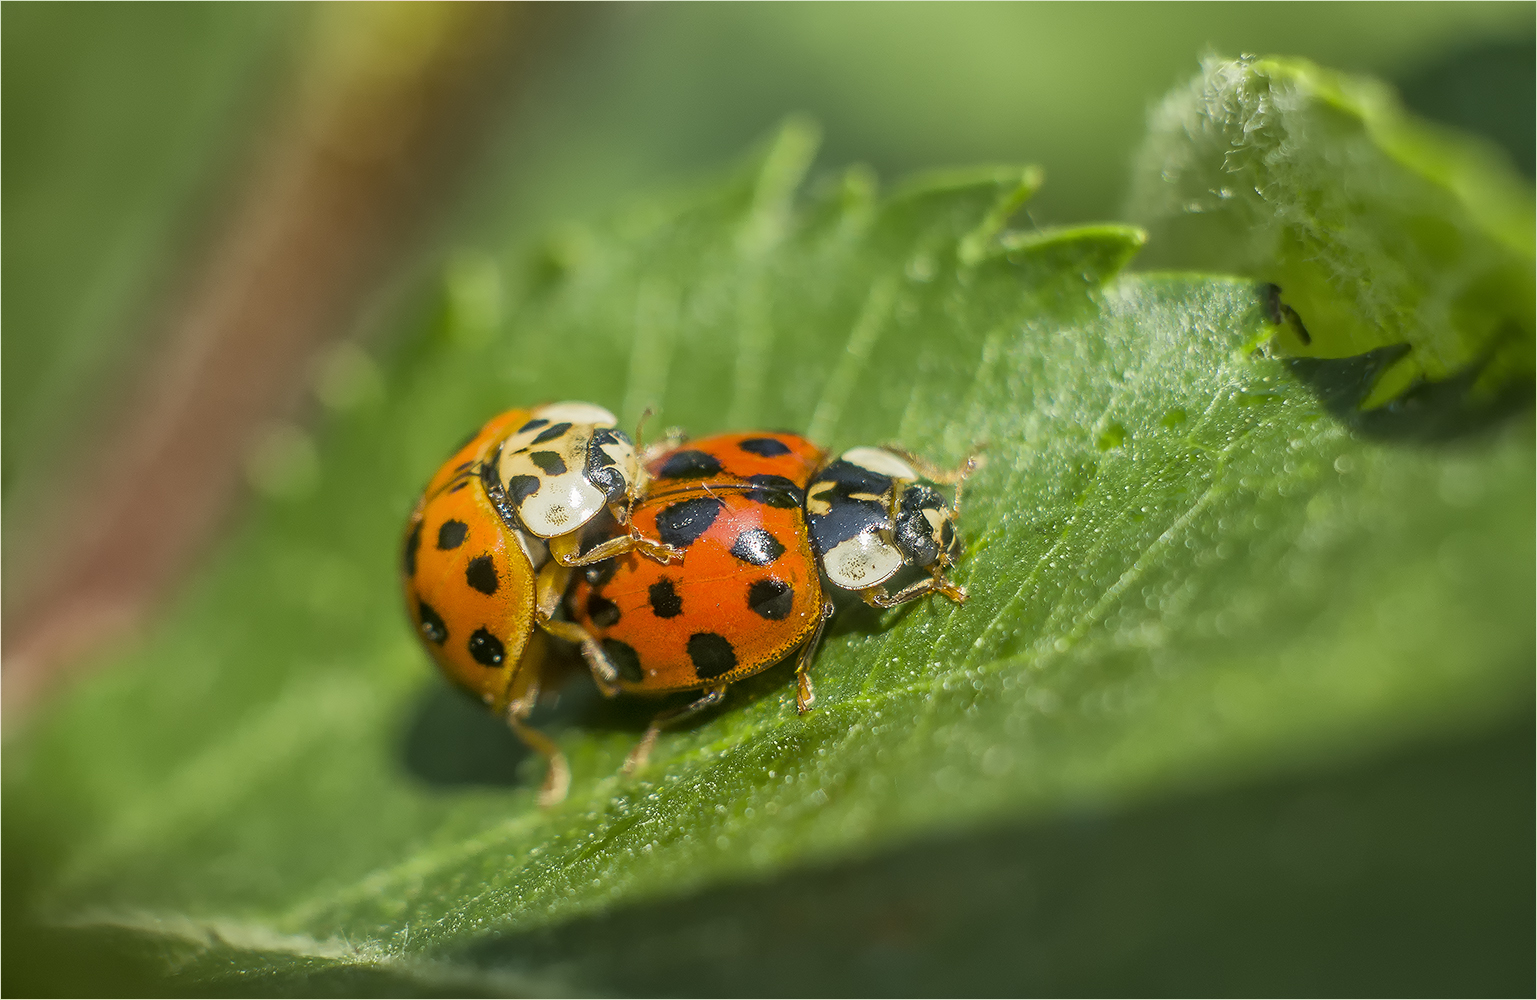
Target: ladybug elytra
(746, 593)
(491, 546)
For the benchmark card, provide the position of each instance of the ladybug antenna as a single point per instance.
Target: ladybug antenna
(640, 427)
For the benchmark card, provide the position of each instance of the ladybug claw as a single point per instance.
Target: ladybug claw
(557, 782)
(637, 757)
(659, 551)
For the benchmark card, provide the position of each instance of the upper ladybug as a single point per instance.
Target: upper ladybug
(479, 580)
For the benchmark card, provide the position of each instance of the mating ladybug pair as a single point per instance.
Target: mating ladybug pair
(700, 567)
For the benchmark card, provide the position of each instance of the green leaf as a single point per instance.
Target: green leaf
(1187, 571)
(1382, 230)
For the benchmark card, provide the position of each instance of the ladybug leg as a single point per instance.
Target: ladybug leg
(805, 694)
(937, 584)
(550, 588)
(973, 462)
(957, 475)
(557, 775)
(642, 752)
(566, 550)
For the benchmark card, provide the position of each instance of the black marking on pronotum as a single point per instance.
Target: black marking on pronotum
(601, 436)
(550, 463)
(536, 422)
(432, 622)
(680, 524)
(625, 660)
(712, 655)
(664, 599)
(486, 649)
(498, 496)
(775, 491)
(413, 542)
(771, 599)
(451, 534)
(520, 488)
(764, 447)
(602, 611)
(550, 434)
(757, 546)
(481, 574)
(851, 478)
(844, 519)
(689, 464)
(601, 471)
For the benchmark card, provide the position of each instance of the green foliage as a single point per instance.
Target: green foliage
(118, 125)
(1382, 231)
(1191, 566)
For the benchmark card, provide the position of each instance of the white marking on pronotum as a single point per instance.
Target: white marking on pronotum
(576, 413)
(881, 461)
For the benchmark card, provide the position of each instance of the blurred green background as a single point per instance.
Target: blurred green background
(127, 130)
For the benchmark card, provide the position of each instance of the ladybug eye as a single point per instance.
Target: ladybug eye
(915, 537)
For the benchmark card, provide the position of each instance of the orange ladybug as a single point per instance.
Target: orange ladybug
(746, 592)
(481, 586)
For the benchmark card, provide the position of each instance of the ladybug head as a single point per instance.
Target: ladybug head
(925, 528)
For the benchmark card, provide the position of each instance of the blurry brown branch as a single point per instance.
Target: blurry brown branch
(378, 123)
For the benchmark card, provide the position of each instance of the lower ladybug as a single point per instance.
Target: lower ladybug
(746, 593)
(480, 585)
(873, 514)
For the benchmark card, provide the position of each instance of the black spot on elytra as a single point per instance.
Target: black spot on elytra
(600, 573)
(551, 434)
(549, 462)
(413, 542)
(486, 649)
(712, 655)
(520, 488)
(432, 622)
(765, 447)
(664, 598)
(602, 611)
(757, 546)
(451, 534)
(771, 599)
(461, 484)
(481, 574)
(625, 660)
(775, 491)
(536, 422)
(689, 465)
(680, 524)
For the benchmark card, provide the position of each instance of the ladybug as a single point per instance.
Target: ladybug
(746, 593)
(872, 514)
(485, 563)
